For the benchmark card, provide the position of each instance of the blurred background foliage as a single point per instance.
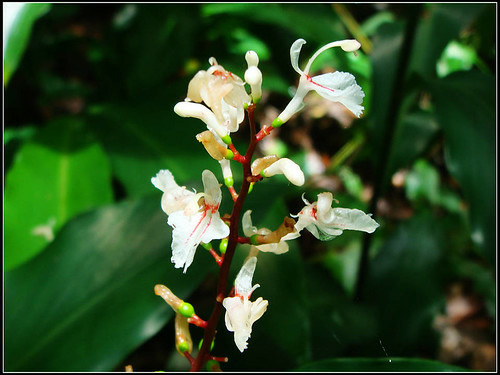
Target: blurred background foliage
(89, 91)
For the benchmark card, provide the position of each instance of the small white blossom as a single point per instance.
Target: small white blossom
(240, 312)
(337, 87)
(325, 222)
(194, 217)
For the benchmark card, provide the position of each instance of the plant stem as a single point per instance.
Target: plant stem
(210, 330)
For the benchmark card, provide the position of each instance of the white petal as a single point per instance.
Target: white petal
(213, 194)
(246, 223)
(243, 282)
(259, 307)
(199, 111)
(340, 87)
(294, 54)
(189, 231)
(174, 197)
(287, 167)
(353, 219)
(276, 248)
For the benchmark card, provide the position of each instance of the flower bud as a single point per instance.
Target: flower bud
(287, 167)
(262, 163)
(183, 341)
(253, 75)
(214, 148)
(169, 297)
(199, 111)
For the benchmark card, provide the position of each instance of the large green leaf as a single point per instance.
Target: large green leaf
(56, 175)
(18, 35)
(465, 107)
(405, 285)
(379, 365)
(88, 300)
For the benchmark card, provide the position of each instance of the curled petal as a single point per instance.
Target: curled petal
(213, 194)
(261, 163)
(294, 54)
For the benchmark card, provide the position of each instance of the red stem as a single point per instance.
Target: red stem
(203, 355)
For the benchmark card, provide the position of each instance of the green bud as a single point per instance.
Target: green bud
(250, 188)
(262, 173)
(228, 181)
(276, 122)
(223, 245)
(229, 155)
(186, 310)
(254, 241)
(207, 246)
(227, 139)
(211, 346)
(183, 346)
(245, 105)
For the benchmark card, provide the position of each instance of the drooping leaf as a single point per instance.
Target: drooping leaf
(59, 173)
(88, 300)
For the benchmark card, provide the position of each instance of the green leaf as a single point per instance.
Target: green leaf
(405, 285)
(379, 365)
(17, 37)
(142, 137)
(443, 23)
(88, 300)
(465, 107)
(58, 174)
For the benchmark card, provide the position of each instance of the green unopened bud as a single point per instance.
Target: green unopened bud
(229, 155)
(277, 122)
(227, 139)
(253, 240)
(223, 245)
(250, 188)
(228, 181)
(186, 310)
(183, 346)
(211, 346)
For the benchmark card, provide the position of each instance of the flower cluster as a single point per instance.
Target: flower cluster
(220, 99)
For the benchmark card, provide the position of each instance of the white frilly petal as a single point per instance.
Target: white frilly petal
(243, 282)
(294, 54)
(174, 197)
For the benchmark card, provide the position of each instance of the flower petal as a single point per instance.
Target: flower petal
(287, 167)
(294, 54)
(174, 198)
(243, 283)
(213, 194)
(340, 87)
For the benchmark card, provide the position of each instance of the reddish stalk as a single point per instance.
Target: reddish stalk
(203, 355)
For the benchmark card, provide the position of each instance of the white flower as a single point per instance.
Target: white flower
(337, 87)
(194, 217)
(286, 167)
(223, 92)
(325, 222)
(240, 312)
(277, 247)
